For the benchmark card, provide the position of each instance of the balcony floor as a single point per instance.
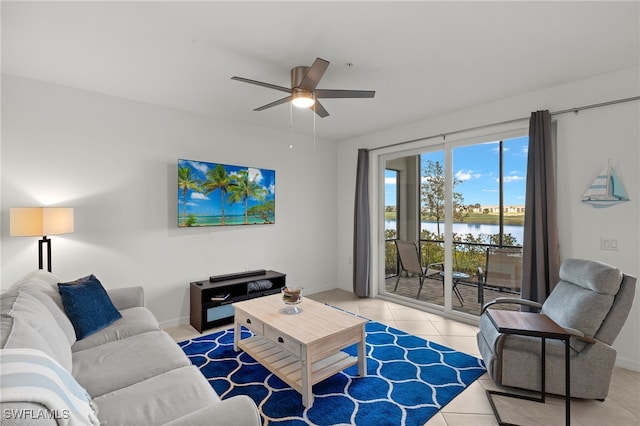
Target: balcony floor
(432, 293)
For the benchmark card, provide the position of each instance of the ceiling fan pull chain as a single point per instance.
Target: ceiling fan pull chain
(290, 126)
(314, 120)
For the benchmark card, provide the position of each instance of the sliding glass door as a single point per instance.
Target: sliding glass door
(410, 220)
(462, 204)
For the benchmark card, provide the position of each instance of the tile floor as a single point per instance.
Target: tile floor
(471, 407)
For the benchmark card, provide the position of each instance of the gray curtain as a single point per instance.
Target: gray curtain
(541, 254)
(361, 227)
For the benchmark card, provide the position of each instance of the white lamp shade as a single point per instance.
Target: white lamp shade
(40, 221)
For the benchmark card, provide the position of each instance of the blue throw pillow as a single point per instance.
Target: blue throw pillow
(87, 305)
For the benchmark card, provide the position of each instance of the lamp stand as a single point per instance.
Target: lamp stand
(41, 242)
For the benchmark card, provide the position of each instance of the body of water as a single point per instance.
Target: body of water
(202, 220)
(475, 229)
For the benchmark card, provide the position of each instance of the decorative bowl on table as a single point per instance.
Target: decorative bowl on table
(292, 296)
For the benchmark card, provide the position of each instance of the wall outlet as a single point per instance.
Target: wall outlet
(608, 243)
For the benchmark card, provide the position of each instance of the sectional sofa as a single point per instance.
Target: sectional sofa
(133, 372)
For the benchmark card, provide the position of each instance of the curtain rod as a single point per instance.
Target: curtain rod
(564, 111)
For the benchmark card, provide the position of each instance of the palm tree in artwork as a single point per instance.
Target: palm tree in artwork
(265, 211)
(242, 188)
(186, 181)
(217, 178)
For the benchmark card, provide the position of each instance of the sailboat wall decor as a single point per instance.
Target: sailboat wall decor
(606, 190)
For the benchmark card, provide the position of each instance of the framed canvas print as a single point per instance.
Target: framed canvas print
(214, 194)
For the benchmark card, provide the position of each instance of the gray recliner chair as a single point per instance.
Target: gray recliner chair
(592, 301)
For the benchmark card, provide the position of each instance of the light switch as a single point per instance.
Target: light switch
(608, 243)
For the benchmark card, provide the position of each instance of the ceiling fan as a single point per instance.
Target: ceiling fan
(303, 92)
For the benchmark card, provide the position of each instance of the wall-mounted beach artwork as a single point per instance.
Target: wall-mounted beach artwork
(213, 194)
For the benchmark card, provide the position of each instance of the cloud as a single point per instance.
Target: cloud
(188, 203)
(513, 178)
(201, 167)
(199, 196)
(390, 180)
(254, 174)
(464, 175)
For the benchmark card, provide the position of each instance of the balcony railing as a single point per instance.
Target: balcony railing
(467, 256)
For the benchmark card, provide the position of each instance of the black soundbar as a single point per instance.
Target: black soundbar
(237, 275)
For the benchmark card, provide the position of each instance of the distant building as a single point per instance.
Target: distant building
(496, 209)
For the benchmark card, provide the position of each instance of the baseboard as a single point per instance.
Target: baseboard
(176, 322)
(319, 289)
(629, 364)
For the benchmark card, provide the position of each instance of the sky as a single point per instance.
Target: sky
(201, 204)
(477, 168)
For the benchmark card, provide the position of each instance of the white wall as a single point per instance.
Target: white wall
(585, 142)
(115, 162)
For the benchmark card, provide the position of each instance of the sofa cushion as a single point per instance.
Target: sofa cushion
(19, 334)
(234, 411)
(47, 295)
(34, 313)
(7, 300)
(43, 286)
(38, 276)
(6, 324)
(116, 365)
(157, 400)
(87, 305)
(134, 321)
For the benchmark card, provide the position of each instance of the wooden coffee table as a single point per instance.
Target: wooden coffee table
(301, 349)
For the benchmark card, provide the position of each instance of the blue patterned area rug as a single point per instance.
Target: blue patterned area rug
(408, 380)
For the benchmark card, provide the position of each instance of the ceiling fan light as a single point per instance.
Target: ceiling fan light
(302, 99)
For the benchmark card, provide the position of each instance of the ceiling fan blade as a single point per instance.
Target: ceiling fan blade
(319, 109)
(328, 93)
(314, 74)
(274, 103)
(260, 83)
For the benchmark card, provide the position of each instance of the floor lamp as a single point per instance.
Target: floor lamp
(41, 221)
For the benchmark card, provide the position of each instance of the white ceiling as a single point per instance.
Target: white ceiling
(423, 58)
